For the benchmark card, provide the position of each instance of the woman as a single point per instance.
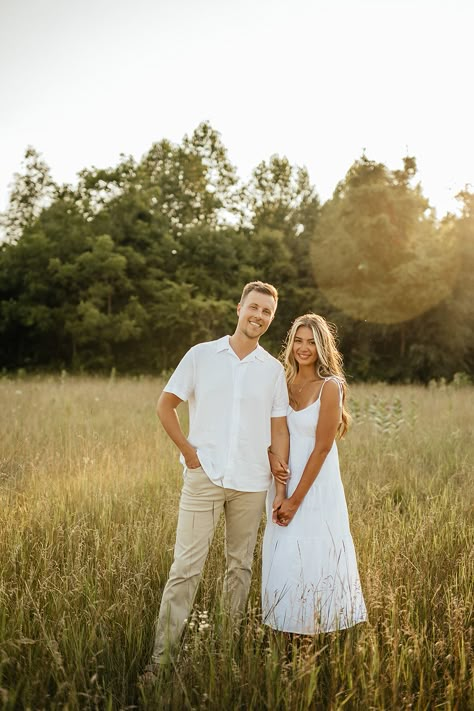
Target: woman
(310, 581)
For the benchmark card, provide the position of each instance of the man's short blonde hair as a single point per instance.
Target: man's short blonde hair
(262, 288)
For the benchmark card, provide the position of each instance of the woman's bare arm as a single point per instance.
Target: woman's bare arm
(328, 422)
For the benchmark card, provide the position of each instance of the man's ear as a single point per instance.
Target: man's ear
(238, 308)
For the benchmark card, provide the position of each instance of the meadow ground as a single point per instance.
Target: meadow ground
(89, 489)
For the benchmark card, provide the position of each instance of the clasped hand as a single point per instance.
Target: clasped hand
(283, 511)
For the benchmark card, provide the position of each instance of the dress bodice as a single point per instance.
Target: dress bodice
(303, 423)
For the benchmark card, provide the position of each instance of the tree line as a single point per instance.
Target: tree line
(135, 263)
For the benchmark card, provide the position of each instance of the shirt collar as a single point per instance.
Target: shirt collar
(223, 345)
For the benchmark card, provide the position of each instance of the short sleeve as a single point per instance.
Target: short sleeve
(280, 397)
(182, 381)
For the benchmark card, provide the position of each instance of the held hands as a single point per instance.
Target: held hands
(283, 511)
(277, 502)
(279, 468)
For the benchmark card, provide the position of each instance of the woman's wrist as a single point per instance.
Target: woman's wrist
(295, 500)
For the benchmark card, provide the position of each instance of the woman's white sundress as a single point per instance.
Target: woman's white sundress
(310, 580)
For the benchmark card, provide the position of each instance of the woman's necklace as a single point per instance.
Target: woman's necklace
(299, 389)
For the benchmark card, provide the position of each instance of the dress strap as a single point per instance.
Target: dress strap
(336, 380)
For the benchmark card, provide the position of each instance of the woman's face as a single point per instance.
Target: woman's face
(304, 347)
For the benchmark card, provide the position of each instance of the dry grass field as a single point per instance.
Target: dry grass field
(89, 489)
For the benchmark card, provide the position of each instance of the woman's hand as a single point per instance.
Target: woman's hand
(286, 511)
(279, 468)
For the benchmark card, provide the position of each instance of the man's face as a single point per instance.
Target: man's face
(255, 313)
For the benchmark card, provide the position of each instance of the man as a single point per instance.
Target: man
(238, 401)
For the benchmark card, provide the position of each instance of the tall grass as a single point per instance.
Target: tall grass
(89, 489)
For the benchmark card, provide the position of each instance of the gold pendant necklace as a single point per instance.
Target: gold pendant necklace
(298, 390)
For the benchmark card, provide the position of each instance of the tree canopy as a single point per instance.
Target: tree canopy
(137, 262)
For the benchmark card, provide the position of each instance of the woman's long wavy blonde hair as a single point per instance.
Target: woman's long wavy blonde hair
(329, 362)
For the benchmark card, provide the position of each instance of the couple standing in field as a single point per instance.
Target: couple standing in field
(246, 421)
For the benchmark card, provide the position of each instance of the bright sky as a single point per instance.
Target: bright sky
(316, 80)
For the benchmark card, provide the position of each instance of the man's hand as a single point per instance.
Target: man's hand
(191, 458)
(286, 511)
(277, 502)
(279, 468)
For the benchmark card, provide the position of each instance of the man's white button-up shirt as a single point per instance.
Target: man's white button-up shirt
(231, 403)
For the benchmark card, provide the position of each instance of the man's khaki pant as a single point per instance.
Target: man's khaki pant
(200, 507)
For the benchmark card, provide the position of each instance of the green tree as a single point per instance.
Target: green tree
(192, 184)
(380, 257)
(378, 254)
(220, 201)
(282, 201)
(446, 344)
(33, 189)
(144, 259)
(281, 197)
(97, 187)
(180, 317)
(33, 303)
